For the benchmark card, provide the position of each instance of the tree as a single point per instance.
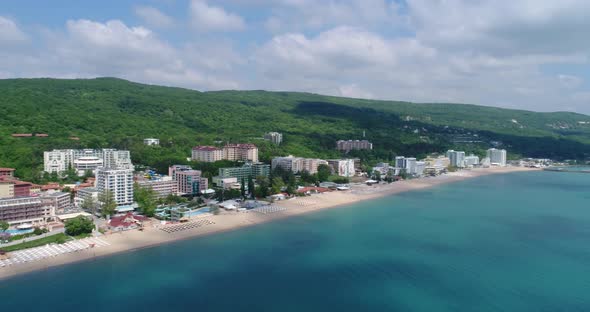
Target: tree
(243, 188)
(146, 200)
(306, 177)
(251, 187)
(324, 172)
(377, 175)
(262, 190)
(341, 180)
(108, 205)
(4, 226)
(277, 185)
(79, 225)
(403, 174)
(89, 204)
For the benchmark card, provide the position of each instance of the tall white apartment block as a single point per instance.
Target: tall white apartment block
(113, 158)
(410, 165)
(400, 162)
(274, 137)
(342, 167)
(457, 158)
(118, 181)
(497, 156)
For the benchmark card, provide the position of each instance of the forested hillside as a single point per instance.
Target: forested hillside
(112, 112)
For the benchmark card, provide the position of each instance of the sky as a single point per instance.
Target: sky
(525, 54)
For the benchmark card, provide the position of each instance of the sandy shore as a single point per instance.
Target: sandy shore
(133, 240)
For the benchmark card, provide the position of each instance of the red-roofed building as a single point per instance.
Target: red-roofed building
(42, 135)
(207, 153)
(22, 188)
(50, 187)
(243, 152)
(7, 172)
(126, 222)
(22, 135)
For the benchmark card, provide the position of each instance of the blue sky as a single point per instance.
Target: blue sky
(527, 54)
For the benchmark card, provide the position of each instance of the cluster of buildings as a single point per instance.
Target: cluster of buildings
(407, 165)
(341, 167)
(23, 202)
(234, 152)
(437, 165)
(181, 180)
(349, 145)
(84, 160)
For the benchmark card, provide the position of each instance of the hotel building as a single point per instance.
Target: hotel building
(246, 171)
(190, 182)
(497, 157)
(207, 153)
(234, 152)
(162, 187)
(350, 145)
(24, 210)
(342, 167)
(274, 137)
(298, 164)
(118, 181)
(60, 201)
(85, 159)
(241, 152)
(457, 158)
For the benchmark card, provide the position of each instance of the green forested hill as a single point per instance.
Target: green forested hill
(112, 112)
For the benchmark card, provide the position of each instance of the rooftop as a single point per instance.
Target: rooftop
(241, 145)
(205, 148)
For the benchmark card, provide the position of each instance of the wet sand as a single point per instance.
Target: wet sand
(151, 236)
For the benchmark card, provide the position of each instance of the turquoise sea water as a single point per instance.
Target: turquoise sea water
(514, 242)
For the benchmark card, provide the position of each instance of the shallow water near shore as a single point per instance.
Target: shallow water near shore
(508, 242)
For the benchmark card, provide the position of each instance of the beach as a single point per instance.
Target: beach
(151, 236)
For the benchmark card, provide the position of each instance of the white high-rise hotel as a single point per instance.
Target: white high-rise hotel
(456, 158)
(118, 181)
(85, 159)
(497, 157)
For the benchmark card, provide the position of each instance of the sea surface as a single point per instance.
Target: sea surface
(512, 242)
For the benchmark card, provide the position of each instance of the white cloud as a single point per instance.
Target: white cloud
(154, 17)
(10, 33)
(503, 27)
(206, 18)
(92, 49)
(299, 15)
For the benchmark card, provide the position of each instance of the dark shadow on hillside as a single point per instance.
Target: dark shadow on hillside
(385, 129)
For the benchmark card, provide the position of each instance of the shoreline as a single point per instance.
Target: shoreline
(134, 240)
